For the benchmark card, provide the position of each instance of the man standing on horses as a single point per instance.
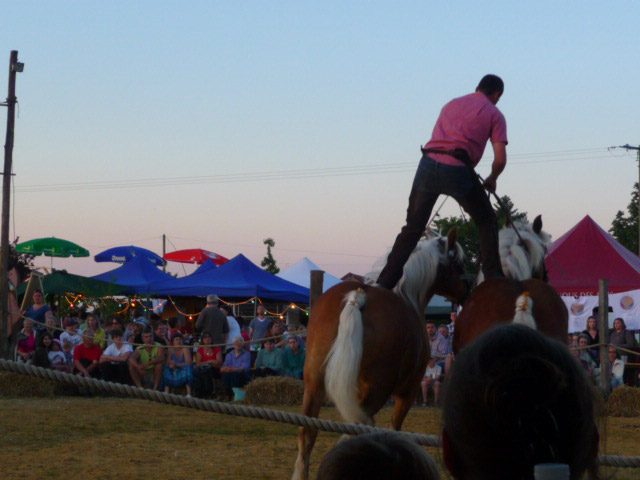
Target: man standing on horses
(447, 167)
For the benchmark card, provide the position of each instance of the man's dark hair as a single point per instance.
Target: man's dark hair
(173, 322)
(490, 84)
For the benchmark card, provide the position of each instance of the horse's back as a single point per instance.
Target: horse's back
(493, 303)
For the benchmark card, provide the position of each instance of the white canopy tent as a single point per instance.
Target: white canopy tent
(300, 273)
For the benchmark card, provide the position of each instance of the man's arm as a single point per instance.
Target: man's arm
(499, 162)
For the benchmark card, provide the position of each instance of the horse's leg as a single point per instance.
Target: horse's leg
(403, 404)
(311, 404)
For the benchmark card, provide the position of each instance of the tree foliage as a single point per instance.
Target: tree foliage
(20, 261)
(268, 262)
(468, 235)
(625, 227)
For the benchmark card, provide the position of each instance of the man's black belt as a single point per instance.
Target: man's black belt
(458, 153)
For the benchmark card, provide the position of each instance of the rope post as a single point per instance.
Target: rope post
(603, 325)
(315, 287)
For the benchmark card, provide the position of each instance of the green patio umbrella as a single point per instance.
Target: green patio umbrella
(52, 247)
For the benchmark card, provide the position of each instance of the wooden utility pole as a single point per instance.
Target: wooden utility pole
(14, 67)
(603, 325)
(637, 149)
(315, 287)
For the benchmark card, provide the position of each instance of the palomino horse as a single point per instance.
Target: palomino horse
(365, 343)
(503, 300)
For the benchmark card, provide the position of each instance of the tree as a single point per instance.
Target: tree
(468, 235)
(20, 261)
(268, 262)
(624, 228)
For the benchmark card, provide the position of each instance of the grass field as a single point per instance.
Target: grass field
(114, 438)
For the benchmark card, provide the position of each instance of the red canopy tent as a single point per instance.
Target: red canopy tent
(586, 254)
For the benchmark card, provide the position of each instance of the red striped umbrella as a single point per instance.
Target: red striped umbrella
(195, 255)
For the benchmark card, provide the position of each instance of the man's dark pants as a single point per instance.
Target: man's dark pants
(433, 179)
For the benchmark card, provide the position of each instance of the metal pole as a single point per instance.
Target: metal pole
(164, 252)
(603, 316)
(14, 67)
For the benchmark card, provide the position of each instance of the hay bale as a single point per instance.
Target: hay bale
(275, 391)
(624, 401)
(14, 385)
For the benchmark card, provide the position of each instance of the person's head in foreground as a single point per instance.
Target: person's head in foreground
(378, 456)
(514, 399)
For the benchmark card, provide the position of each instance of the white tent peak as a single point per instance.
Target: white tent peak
(300, 273)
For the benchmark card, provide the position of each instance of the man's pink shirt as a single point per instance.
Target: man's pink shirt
(467, 122)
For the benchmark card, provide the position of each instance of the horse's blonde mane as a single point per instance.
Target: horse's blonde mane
(519, 262)
(419, 272)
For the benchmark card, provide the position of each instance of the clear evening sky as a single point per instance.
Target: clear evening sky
(222, 123)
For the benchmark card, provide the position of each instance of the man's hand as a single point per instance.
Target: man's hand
(490, 183)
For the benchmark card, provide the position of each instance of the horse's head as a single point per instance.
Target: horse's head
(522, 250)
(451, 281)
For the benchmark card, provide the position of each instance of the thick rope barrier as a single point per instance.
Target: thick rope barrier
(247, 411)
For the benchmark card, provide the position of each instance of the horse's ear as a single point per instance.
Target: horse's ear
(537, 224)
(452, 238)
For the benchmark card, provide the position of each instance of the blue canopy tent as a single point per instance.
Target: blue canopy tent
(238, 277)
(205, 267)
(136, 275)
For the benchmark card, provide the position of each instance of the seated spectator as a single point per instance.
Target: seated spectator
(41, 355)
(583, 346)
(208, 363)
(86, 356)
(71, 332)
(281, 337)
(299, 332)
(616, 368)
(114, 362)
(431, 379)
(236, 366)
(160, 333)
(177, 370)
(51, 325)
(620, 336)
(514, 400)
(26, 342)
(146, 362)
(67, 350)
(129, 332)
(99, 334)
(269, 361)
(378, 456)
(586, 358)
(138, 328)
(173, 327)
(110, 325)
(58, 359)
(293, 358)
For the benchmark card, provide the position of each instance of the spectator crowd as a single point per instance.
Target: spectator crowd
(164, 354)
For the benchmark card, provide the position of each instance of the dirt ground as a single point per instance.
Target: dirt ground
(113, 438)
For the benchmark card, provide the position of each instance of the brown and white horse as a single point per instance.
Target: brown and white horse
(522, 297)
(365, 344)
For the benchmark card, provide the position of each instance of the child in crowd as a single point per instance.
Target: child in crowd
(431, 379)
(67, 350)
(71, 332)
(57, 357)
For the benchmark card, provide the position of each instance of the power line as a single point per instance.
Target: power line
(296, 174)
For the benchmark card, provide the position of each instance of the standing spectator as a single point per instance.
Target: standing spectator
(177, 370)
(41, 355)
(258, 328)
(208, 362)
(236, 366)
(71, 332)
(234, 326)
(99, 334)
(452, 326)
(86, 356)
(145, 364)
(620, 336)
(57, 358)
(37, 311)
(438, 344)
(114, 362)
(213, 320)
(444, 332)
(269, 361)
(293, 358)
(26, 341)
(592, 331)
(431, 379)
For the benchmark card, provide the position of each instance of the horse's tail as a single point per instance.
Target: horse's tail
(343, 360)
(524, 307)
